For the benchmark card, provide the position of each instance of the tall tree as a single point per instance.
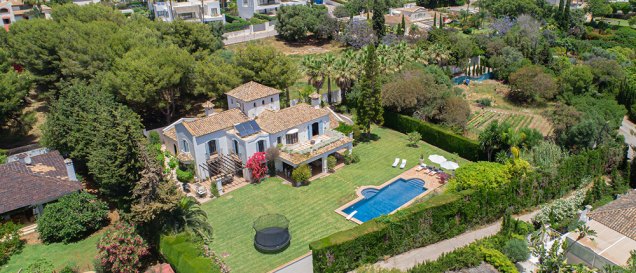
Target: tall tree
(598, 8)
(153, 79)
(378, 19)
(189, 217)
(266, 65)
(214, 76)
(369, 105)
(328, 62)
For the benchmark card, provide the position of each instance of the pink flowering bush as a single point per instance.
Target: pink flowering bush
(121, 250)
(257, 166)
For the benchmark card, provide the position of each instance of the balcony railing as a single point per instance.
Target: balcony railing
(314, 143)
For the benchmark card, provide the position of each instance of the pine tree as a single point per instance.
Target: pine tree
(378, 19)
(369, 102)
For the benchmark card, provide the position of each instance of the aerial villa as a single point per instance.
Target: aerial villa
(219, 144)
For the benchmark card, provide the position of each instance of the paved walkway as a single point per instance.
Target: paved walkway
(628, 129)
(414, 257)
(301, 265)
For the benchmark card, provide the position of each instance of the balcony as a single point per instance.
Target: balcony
(319, 145)
(314, 143)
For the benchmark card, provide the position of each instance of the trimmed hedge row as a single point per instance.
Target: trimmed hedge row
(186, 256)
(450, 214)
(435, 135)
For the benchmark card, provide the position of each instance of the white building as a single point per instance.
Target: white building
(15, 10)
(412, 12)
(247, 8)
(192, 11)
(226, 140)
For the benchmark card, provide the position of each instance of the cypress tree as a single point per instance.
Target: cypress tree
(378, 19)
(402, 26)
(435, 20)
(559, 14)
(369, 102)
(566, 16)
(441, 21)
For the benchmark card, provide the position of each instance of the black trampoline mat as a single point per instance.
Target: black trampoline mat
(272, 238)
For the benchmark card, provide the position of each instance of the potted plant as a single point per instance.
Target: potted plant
(301, 175)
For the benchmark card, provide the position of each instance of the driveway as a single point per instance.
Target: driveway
(628, 130)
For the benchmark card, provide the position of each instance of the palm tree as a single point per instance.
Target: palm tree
(328, 70)
(419, 55)
(313, 69)
(439, 53)
(189, 217)
(345, 73)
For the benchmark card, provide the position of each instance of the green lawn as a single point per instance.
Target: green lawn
(80, 254)
(310, 209)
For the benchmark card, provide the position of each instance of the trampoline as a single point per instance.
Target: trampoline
(272, 233)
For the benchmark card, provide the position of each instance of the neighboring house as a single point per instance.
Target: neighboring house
(412, 12)
(254, 123)
(396, 20)
(85, 2)
(247, 8)
(30, 180)
(191, 11)
(615, 227)
(15, 10)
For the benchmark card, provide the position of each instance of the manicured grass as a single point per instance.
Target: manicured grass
(80, 254)
(310, 209)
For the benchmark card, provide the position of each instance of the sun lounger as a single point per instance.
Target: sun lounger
(396, 162)
(419, 168)
(351, 215)
(403, 164)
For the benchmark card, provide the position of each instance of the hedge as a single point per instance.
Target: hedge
(450, 214)
(435, 135)
(186, 256)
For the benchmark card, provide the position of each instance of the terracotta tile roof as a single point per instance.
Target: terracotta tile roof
(619, 215)
(276, 121)
(44, 180)
(171, 134)
(216, 122)
(252, 91)
(301, 158)
(412, 9)
(395, 19)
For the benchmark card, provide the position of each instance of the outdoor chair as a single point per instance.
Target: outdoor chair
(396, 162)
(403, 164)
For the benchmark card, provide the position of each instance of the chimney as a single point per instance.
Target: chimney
(70, 169)
(583, 214)
(208, 107)
(28, 160)
(315, 100)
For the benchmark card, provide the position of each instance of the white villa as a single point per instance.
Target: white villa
(192, 11)
(411, 12)
(220, 144)
(247, 8)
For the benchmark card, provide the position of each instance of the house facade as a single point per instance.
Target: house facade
(411, 12)
(15, 10)
(254, 123)
(247, 8)
(191, 11)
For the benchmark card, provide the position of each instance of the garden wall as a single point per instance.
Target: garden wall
(186, 256)
(449, 214)
(435, 135)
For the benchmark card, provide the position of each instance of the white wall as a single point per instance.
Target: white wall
(251, 111)
(245, 8)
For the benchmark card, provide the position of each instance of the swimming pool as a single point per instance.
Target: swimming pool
(383, 201)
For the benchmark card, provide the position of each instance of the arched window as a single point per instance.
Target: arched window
(184, 146)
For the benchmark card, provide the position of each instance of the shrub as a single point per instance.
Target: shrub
(435, 135)
(517, 250)
(351, 158)
(185, 255)
(413, 138)
(69, 269)
(122, 250)
(72, 218)
(484, 102)
(11, 243)
(154, 138)
(301, 174)
(331, 163)
(499, 260)
(185, 176)
(344, 128)
(40, 265)
(173, 162)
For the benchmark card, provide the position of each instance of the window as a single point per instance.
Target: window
(260, 145)
(162, 13)
(245, 3)
(263, 102)
(236, 147)
(255, 104)
(291, 138)
(231, 102)
(184, 146)
(271, 99)
(214, 12)
(212, 147)
(279, 140)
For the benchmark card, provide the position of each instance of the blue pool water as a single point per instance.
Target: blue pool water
(383, 201)
(462, 79)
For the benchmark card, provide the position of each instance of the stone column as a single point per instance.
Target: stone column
(325, 168)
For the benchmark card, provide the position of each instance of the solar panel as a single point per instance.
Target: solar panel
(247, 128)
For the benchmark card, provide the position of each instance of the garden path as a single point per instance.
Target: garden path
(416, 256)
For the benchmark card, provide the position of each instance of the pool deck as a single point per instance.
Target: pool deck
(430, 183)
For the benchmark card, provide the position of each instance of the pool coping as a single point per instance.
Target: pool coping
(408, 174)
